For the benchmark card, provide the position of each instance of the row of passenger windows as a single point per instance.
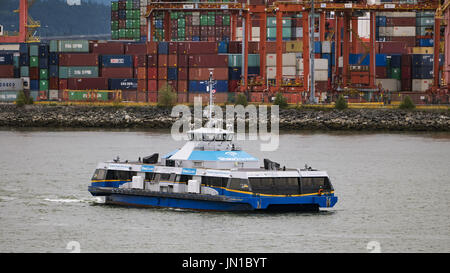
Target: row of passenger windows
(263, 185)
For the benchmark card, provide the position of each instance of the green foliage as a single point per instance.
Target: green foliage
(280, 101)
(22, 99)
(407, 104)
(341, 103)
(166, 96)
(241, 99)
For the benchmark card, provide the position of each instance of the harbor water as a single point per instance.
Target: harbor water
(393, 189)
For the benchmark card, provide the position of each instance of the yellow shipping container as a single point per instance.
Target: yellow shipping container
(294, 46)
(423, 50)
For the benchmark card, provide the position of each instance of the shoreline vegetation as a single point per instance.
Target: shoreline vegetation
(291, 118)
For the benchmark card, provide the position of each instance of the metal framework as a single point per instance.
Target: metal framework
(344, 17)
(26, 26)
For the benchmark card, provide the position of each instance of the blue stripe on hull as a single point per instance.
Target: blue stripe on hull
(176, 203)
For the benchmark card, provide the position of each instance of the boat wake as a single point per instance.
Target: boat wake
(94, 200)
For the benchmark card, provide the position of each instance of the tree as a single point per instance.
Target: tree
(407, 104)
(241, 99)
(341, 103)
(280, 100)
(22, 99)
(166, 96)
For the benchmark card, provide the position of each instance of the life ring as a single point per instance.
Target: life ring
(320, 192)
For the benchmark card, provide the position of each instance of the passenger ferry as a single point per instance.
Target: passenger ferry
(211, 172)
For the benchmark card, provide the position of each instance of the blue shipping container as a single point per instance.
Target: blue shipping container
(355, 59)
(122, 84)
(172, 73)
(223, 47)
(117, 61)
(23, 48)
(24, 59)
(422, 59)
(6, 59)
(426, 42)
(422, 72)
(200, 86)
(54, 71)
(253, 70)
(34, 84)
(317, 47)
(163, 48)
(54, 58)
(396, 60)
(234, 73)
(43, 63)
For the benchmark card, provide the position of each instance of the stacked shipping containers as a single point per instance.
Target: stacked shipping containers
(126, 22)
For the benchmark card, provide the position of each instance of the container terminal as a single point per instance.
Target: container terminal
(369, 51)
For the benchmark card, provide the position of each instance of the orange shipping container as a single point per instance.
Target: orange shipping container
(201, 74)
(141, 73)
(142, 85)
(152, 85)
(152, 73)
(152, 96)
(182, 86)
(172, 61)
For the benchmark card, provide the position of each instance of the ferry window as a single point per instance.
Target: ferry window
(262, 185)
(214, 181)
(165, 177)
(100, 174)
(239, 184)
(149, 177)
(172, 177)
(275, 185)
(183, 178)
(313, 184)
(125, 175)
(111, 175)
(198, 164)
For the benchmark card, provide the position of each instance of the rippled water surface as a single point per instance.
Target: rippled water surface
(394, 189)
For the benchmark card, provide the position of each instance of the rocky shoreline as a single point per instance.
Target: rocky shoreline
(159, 118)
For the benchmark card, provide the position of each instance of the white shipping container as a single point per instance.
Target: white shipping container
(396, 14)
(256, 39)
(403, 31)
(341, 61)
(13, 84)
(389, 84)
(271, 59)
(10, 47)
(326, 47)
(319, 75)
(255, 32)
(289, 59)
(386, 31)
(319, 64)
(421, 85)
(53, 94)
(287, 72)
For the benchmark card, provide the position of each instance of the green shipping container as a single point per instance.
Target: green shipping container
(114, 25)
(122, 33)
(203, 20)
(174, 15)
(253, 60)
(73, 46)
(396, 73)
(53, 46)
(114, 6)
(226, 20)
(272, 22)
(211, 20)
(181, 33)
(16, 60)
(34, 61)
(43, 85)
(24, 71)
(43, 74)
(114, 34)
(8, 96)
(136, 33)
(181, 23)
(272, 32)
(34, 50)
(129, 4)
(83, 96)
(66, 72)
(234, 60)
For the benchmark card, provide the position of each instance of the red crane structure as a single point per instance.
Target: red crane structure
(26, 26)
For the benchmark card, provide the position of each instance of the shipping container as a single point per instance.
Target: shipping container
(123, 84)
(117, 72)
(79, 59)
(117, 61)
(11, 84)
(87, 83)
(8, 96)
(66, 72)
(69, 46)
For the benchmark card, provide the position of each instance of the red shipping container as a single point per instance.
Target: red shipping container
(381, 72)
(182, 86)
(253, 47)
(195, 32)
(152, 96)
(7, 71)
(219, 97)
(161, 83)
(233, 85)
(117, 72)
(141, 73)
(135, 49)
(201, 74)
(143, 30)
(208, 61)
(162, 73)
(152, 73)
(201, 48)
(182, 73)
(63, 84)
(408, 40)
(140, 60)
(152, 60)
(162, 60)
(183, 60)
(152, 85)
(406, 84)
(406, 72)
(53, 83)
(107, 48)
(182, 98)
(359, 77)
(401, 21)
(79, 59)
(393, 48)
(142, 96)
(235, 47)
(34, 73)
(152, 47)
(172, 60)
(182, 47)
(128, 95)
(173, 47)
(87, 83)
(142, 85)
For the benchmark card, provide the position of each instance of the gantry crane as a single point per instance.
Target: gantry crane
(26, 26)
